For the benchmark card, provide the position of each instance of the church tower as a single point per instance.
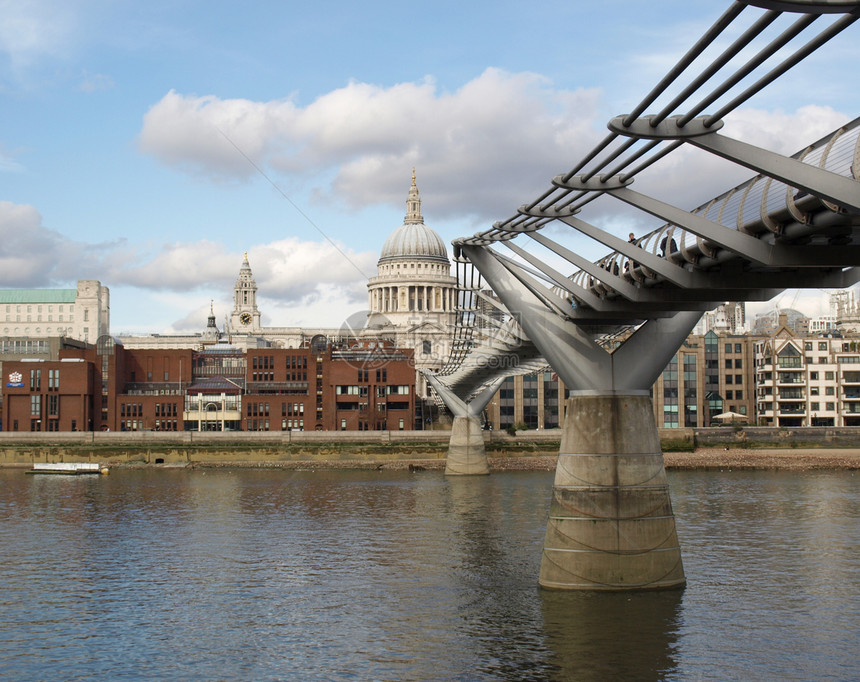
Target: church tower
(245, 318)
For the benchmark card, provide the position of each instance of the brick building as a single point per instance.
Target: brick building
(359, 385)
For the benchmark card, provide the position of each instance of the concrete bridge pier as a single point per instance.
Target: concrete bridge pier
(467, 453)
(610, 523)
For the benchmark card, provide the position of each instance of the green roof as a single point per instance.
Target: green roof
(38, 295)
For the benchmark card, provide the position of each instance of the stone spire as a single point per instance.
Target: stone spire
(413, 204)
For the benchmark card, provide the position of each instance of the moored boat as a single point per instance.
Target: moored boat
(67, 468)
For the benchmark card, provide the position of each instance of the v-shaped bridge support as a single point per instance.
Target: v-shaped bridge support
(467, 452)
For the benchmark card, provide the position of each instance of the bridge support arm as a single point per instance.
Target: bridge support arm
(467, 452)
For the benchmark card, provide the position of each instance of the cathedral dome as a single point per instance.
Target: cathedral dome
(413, 239)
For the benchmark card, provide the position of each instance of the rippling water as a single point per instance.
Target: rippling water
(270, 574)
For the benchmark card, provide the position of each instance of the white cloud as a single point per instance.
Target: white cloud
(297, 280)
(481, 151)
(289, 270)
(32, 255)
(499, 136)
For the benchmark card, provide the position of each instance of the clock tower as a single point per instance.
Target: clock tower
(245, 318)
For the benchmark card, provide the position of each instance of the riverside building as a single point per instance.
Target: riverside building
(323, 386)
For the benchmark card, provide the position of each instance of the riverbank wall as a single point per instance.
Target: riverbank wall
(276, 447)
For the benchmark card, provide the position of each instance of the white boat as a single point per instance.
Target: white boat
(68, 468)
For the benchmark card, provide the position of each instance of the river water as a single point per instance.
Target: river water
(358, 575)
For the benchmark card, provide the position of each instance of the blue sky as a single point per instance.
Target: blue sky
(149, 144)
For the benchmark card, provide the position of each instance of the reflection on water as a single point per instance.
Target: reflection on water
(602, 636)
(267, 574)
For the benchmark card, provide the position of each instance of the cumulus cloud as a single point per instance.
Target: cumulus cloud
(291, 273)
(499, 136)
(481, 150)
(289, 270)
(31, 254)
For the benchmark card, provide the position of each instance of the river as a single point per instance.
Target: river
(386, 575)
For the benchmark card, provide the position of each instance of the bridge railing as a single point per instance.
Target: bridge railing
(759, 205)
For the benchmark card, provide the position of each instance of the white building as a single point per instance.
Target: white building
(82, 313)
(807, 381)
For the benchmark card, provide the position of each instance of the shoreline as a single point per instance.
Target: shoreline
(792, 459)
(712, 458)
(798, 459)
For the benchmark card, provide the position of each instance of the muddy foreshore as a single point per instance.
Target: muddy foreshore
(702, 458)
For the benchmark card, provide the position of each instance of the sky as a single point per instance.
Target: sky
(149, 145)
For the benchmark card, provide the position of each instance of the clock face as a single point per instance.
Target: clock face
(245, 318)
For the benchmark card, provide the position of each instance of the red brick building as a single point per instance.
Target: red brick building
(366, 385)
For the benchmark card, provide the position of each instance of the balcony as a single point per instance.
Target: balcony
(792, 394)
(790, 379)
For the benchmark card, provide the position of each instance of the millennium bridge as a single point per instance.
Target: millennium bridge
(609, 328)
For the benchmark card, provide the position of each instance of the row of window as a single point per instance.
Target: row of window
(364, 375)
(165, 409)
(268, 362)
(363, 426)
(50, 307)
